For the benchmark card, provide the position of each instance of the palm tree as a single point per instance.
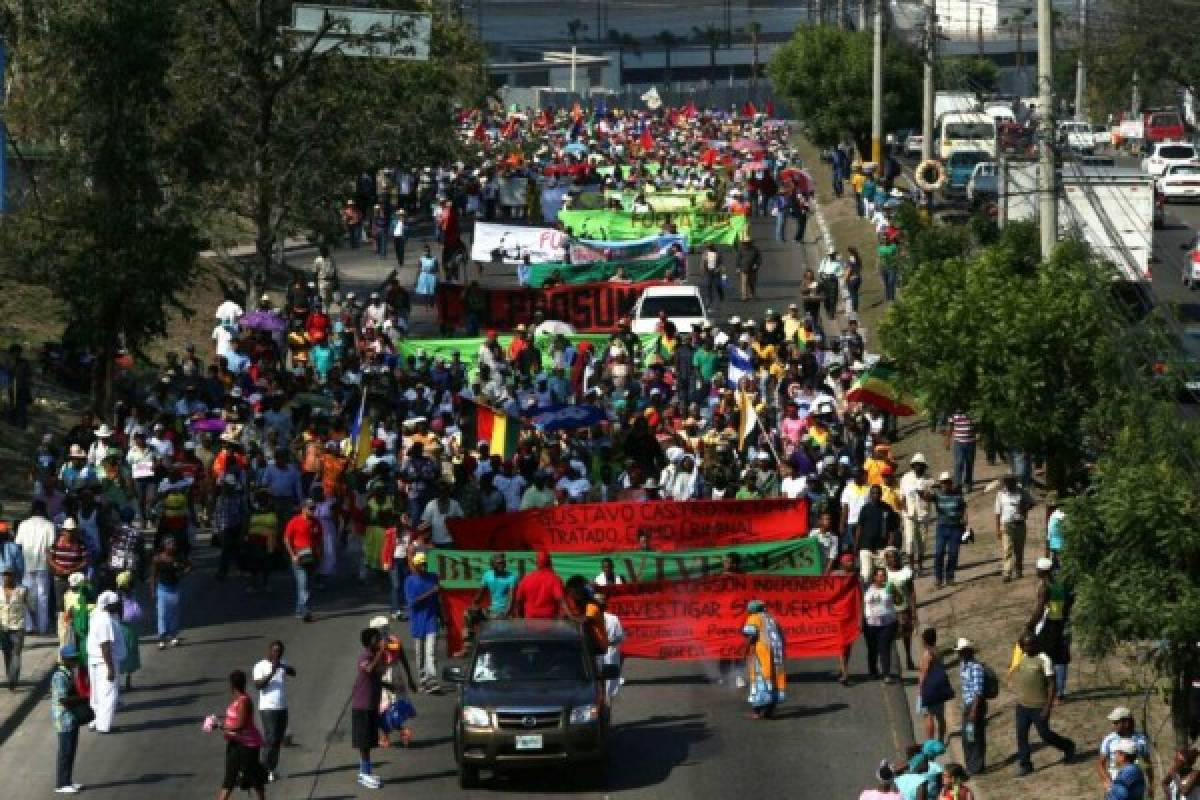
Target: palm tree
(711, 36)
(623, 42)
(574, 28)
(753, 29)
(668, 41)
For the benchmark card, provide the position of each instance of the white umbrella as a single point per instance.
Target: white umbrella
(228, 310)
(553, 327)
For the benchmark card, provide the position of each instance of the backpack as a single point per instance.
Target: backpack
(991, 683)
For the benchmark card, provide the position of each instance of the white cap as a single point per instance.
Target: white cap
(380, 621)
(1044, 564)
(68, 524)
(945, 476)
(964, 644)
(76, 452)
(1127, 746)
(918, 458)
(1119, 713)
(107, 598)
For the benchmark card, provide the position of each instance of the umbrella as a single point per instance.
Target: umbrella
(748, 144)
(877, 387)
(562, 418)
(263, 321)
(228, 310)
(579, 148)
(208, 425)
(552, 327)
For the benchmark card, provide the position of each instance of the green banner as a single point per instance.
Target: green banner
(673, 201)
(650, 167)
(701, 227)
(468, 346)
(636, 271)
(463, 569)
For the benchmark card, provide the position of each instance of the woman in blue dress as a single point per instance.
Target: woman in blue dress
(427, 276)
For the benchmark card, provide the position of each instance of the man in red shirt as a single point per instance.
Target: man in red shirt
(302, 538)
(540, 594)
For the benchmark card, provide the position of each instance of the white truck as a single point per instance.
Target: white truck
(952, 102)
(1110, 208)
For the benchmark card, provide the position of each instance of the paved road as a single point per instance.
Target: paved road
(677, 735)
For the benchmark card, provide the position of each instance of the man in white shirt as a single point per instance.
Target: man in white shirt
(105, 650)
(575, 485)
(915, 488)
(35, 536)
(269, 678)
(440, 509)
(222, 337)
(616, 634)
(163, 449)
(792, 485)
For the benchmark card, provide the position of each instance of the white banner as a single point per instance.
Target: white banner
(510, 243)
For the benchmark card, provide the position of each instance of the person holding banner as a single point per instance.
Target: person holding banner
(765, 654)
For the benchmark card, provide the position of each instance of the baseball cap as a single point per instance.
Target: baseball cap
(1119, 713)
(964, 644)
(918, 458)
(1044, 564)
(420, 558)
(945, 476)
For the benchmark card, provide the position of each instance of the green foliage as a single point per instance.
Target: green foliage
(1133, 547)
(1028, 349)
(969, 74)
(1155, 40)
(113, 242)
(278, 129)
(825, 73)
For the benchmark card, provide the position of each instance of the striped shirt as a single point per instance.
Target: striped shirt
(67, 557)
(962, 428)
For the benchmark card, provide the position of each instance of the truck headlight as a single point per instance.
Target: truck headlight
(476, 717)
(582, 715)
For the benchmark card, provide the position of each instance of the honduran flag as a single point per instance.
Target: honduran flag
(740, 364)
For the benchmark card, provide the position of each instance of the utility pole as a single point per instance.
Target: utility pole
(979, 32)
(877, 90)
(3, 130)
(1135, 100)
(862, 15)
(841, 15)
(1047, 174)
(1081, 65)
(931, 32)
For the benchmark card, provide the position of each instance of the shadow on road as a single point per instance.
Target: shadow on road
(147, 778)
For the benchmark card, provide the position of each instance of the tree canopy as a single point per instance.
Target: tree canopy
(968, 73)
(825, 73)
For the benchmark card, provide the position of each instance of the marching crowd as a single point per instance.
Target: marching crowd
(308, 443)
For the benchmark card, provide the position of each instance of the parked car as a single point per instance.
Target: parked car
(981, 186)
(959, 168)
(1160, 155)
(1190, 265)
(913, 145)
(531, 695)
(1180, 182)
(683, 305)
(1103, 136)
(1077, 137)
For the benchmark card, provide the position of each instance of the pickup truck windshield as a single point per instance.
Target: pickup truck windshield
(675, 306)
(529, 661)
(1177, 151)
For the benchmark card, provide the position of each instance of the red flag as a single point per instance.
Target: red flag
(771, 109)
(691, 109)
(748, 110)
(646, 140)
(480, 132)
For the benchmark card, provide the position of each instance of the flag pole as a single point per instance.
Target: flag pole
(362, 414)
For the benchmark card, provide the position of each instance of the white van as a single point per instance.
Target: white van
(683, 305)
(968, 130)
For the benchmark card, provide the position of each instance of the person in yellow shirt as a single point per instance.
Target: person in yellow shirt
(876, 463)
(856, 183)
(891, 493)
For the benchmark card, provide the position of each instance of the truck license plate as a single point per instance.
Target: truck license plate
(529, 742)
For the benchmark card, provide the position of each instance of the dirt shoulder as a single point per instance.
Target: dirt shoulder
(990, 612)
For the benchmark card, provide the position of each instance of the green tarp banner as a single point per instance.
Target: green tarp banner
(463, 569)
(701, 227)
(636, 271)
(673, 201)
(468, 346)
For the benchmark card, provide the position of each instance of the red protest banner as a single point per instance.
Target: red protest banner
(608, 527)
(585, 306)
(702, 618)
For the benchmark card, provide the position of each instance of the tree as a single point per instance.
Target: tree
(969, 73)
(668, 41)
(754, 30)
(111, 239)
(283, 122)
(575, 27)
(623, 41)
(1028, 349)
(711, 36)
(1133, 549)
(825, 74)
(1153, 41)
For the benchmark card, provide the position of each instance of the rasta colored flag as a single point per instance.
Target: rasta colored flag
(878, 387)
(496, 428)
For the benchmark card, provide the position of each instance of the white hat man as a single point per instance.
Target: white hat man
(1123, 740)
(916, 489)
(950, 509)
(105, 649)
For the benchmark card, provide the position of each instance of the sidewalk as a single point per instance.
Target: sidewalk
(38, 659)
